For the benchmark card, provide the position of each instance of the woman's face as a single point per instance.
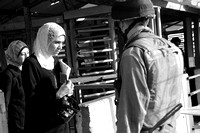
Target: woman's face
(23, 55)
(56, 45)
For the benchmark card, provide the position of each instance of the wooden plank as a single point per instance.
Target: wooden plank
(90, 26)
(102, 86)
(113, 44)
(95, 40)
(98, 72)
(28, 24)
(82, 80)
(3, 62)
(185, 6)
(90, 37)
(187, 23)
(103, 82)
(92, 47)
(196, 42)
(184, 123)
(3, 115)
(92, 18)
(61, 55)
(97, 116)
(195, 110)
(35, 23)
(87, 12)
(159, 3)
(95, 51)
(96, 62)
(95, 67)
(67, 47)
(73, 47)
(92, 30)
(97, 95)
(92, 57)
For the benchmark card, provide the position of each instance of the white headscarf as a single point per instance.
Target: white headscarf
(45, 35)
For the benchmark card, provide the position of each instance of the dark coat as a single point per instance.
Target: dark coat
(40, 86)
(11, 85)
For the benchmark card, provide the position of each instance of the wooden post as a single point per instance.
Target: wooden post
(3, 115)
(28, 23)
(73, 47)
(197, 55)
(2, 54)
(158, 21)
(197, 41)
(67, 44)
(113, 43)
(189, 55)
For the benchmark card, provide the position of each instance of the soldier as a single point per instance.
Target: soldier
(150, 71)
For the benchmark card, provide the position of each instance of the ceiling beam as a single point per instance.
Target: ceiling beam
(98, 2)
(185, 8)
(17, 12)
(28, 23)
(9, 17)
(6, 12)
(35, 23)
(87, 12)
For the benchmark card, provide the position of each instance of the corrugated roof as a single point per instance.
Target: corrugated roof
(13, 10)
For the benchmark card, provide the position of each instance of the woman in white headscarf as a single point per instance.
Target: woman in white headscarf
(11, 85)
(41, 82)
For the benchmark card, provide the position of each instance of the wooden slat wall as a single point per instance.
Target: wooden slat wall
(92, 41)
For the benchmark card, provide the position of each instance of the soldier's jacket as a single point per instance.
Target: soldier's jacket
(151, 73)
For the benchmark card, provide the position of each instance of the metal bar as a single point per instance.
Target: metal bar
(192, 77)
(94, 86)
(95, 40)
(194, 92)
(91, 30)
(96, 51)
(98, 94)
(97, 62)
(113, 43)
(158, 21)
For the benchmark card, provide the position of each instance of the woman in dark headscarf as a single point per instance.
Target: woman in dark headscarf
(11, 85)
(43, 89)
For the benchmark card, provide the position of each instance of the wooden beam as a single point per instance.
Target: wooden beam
(3, 114)
(96, 62)
(28, 24)
(7, 12)
(160, 3)
(87, 12)
(19, 11)
(197, 42)
(82, 87)
(73, 47)
(35, 23)
(68, 53)
(158, 21)
(84, 80)
(185, 8)
(113, 44)
(2, 54)
(189, 55)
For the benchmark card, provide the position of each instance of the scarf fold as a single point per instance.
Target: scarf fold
(137, 29)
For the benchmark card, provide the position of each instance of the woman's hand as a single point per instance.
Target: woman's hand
(66, 88)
